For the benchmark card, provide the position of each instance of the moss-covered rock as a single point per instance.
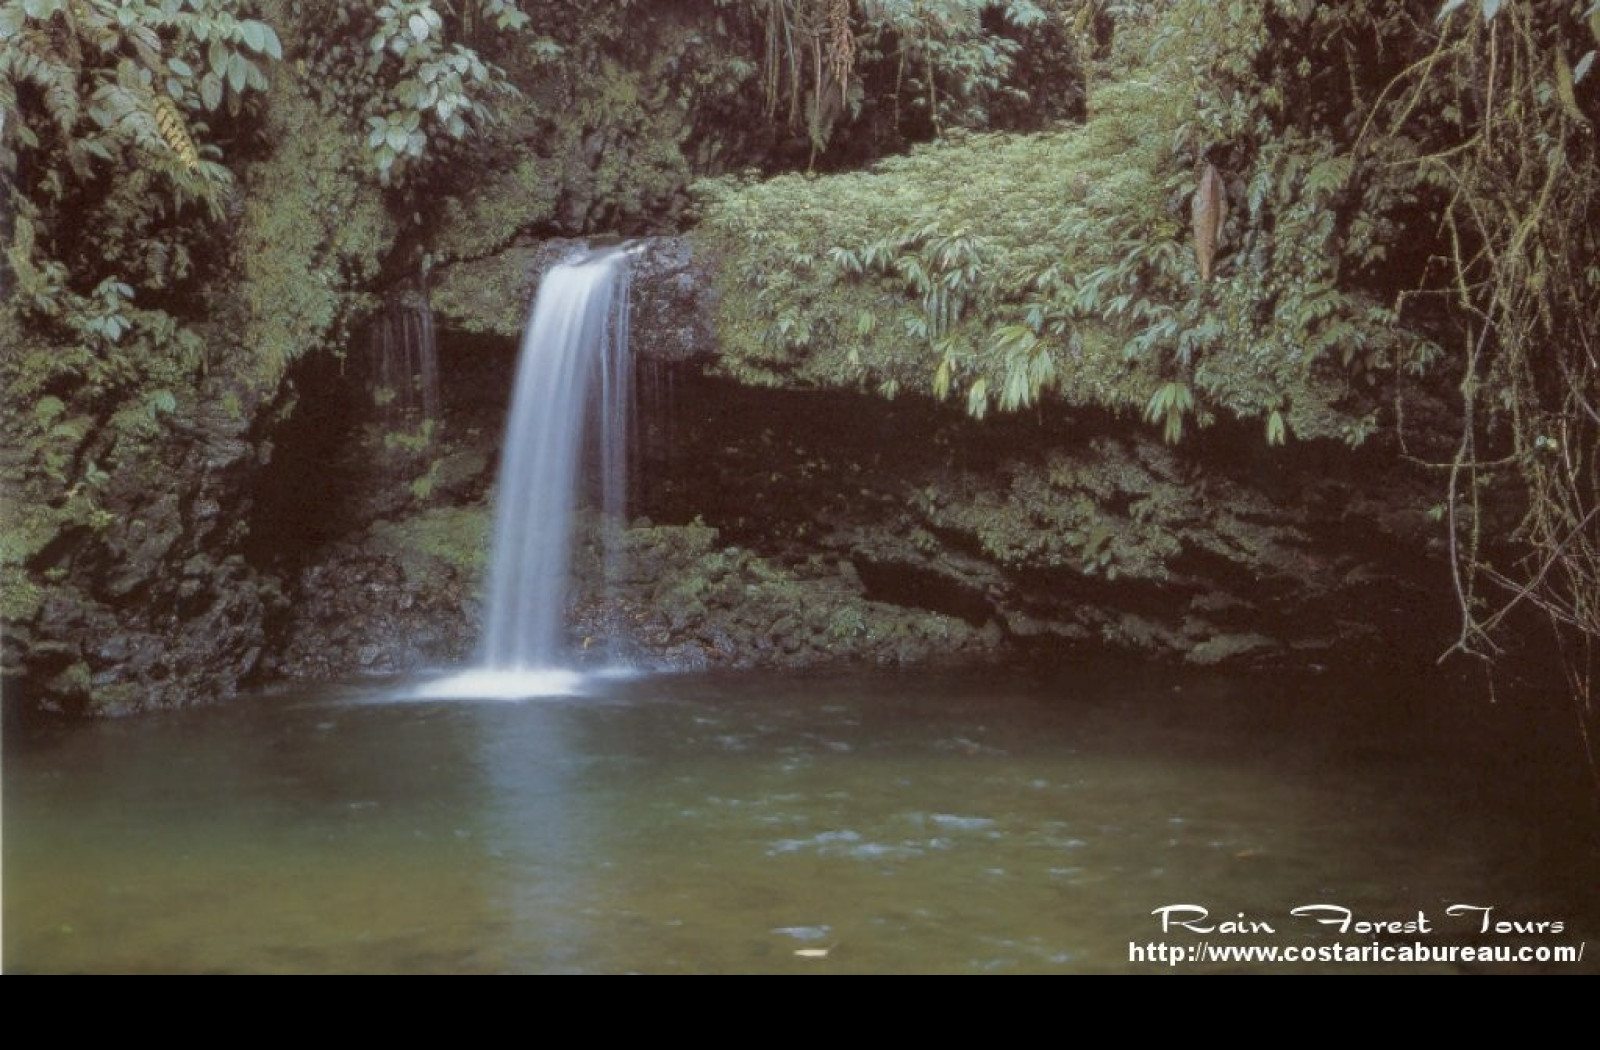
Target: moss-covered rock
(400, 597)
(803, 528)
(687, 600)
(1057, 271)
(437, 543)
(124, 590)
(313, 235)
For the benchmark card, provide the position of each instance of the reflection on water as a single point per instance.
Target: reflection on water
(822, 824)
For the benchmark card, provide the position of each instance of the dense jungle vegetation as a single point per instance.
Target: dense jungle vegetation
(1308, 216)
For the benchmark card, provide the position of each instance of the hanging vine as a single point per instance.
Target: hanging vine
(1520, 181)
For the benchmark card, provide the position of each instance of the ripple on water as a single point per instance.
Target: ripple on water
(953, 822)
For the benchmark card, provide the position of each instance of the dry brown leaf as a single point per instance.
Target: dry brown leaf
(1210, 212)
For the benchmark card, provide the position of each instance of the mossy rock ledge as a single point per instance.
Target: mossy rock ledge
(672, 299)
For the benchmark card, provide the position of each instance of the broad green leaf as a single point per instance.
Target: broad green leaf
(978, 398)
(1276, 431)
(254, 35)
(238, 71)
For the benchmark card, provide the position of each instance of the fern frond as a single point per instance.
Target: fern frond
(170, 124)
(30, 57)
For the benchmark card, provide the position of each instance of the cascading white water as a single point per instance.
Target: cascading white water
(572, 394)
(578, 335)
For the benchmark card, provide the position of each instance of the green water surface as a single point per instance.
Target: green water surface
(970, 823)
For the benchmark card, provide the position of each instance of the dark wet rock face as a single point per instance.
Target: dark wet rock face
(156, 606)
(685, 600)
(1071, 536)
(797, 527)
(358, 612)
(386, 602)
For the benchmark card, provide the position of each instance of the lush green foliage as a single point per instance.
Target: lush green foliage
(129, 84)
(1396, 189)
(870, 77)
(312, 236)
(114, 120)
(111, 110)
(198, 192)
(1390, 180)
(1001, 269)
(401, 72)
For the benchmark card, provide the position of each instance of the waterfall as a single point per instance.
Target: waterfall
(569, 410)
(576, 340)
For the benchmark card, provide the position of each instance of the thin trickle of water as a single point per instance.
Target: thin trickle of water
(573, 374)
(654, 440)
(404, 358)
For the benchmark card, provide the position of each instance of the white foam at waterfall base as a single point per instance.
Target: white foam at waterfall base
(485, 684)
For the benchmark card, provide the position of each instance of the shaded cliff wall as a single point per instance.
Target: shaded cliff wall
(797, 526)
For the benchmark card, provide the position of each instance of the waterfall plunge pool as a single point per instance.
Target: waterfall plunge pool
(985, 822)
